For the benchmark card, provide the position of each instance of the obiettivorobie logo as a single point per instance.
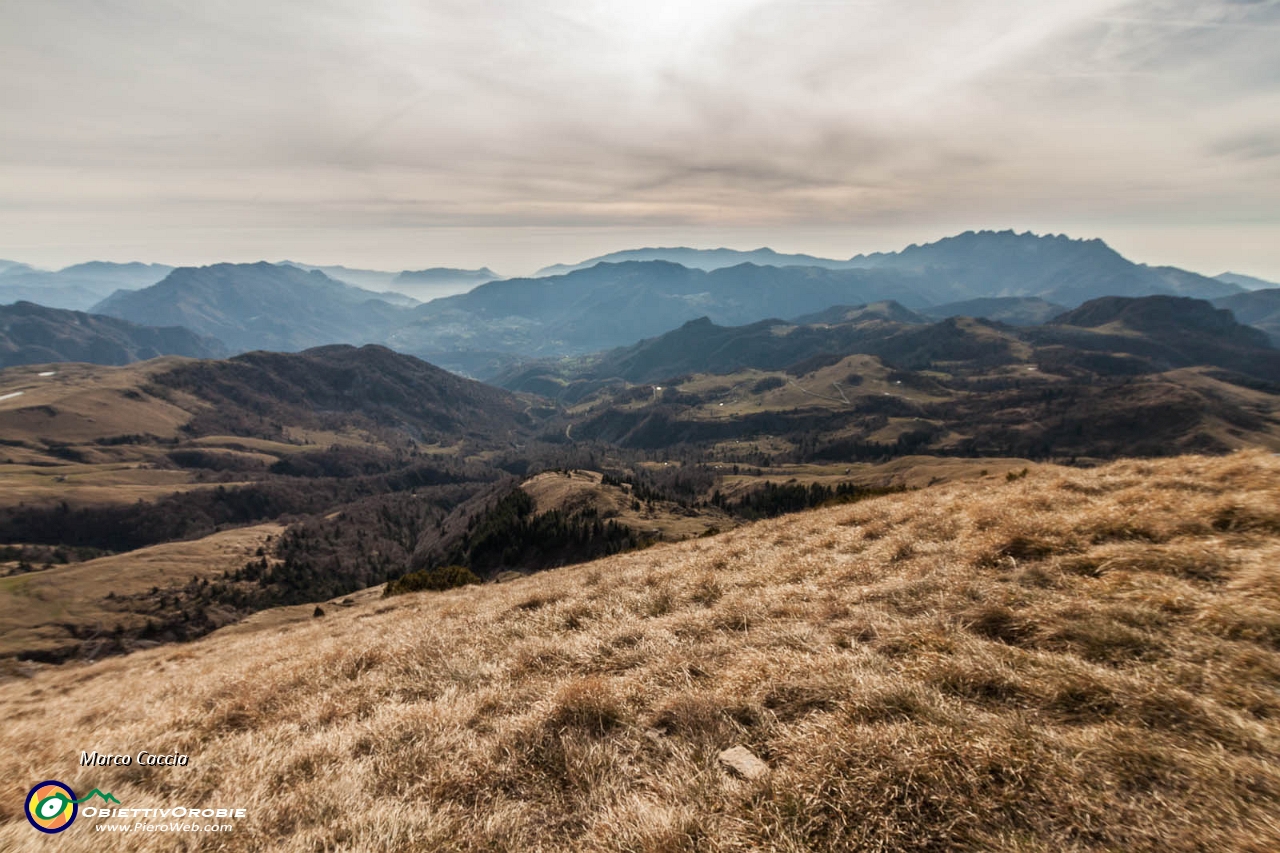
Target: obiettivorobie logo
(52, 806)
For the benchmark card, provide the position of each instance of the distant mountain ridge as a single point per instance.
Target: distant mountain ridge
(374, 280)
(446, 275)
(703, 259)
(977, 264)
(441, 282)
(14, 266)
(615, 304)
(481, 327)
(1247, 282)
(77, 287)
(1056, 268)
(259, 306)
(34, 334)
(400, 287)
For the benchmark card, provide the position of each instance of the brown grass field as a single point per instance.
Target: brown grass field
(39, 610)
(1074, 660)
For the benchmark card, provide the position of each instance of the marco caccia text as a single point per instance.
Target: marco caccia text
(142, 759)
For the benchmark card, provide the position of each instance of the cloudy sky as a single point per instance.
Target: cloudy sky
(516, 133)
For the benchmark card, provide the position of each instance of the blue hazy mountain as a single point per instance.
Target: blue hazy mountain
(14, 266)
(1055, 268)
(438, 282)
(616, 304)
(420, 285)
(700, 259)
(976, 264)
(76, 287)
(260, 306)
(611, 305)
(1247, 282)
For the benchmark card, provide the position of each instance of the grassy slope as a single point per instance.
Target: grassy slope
(37, 608)
(1077, 660)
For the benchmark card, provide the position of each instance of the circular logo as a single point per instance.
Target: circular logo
(51, 806)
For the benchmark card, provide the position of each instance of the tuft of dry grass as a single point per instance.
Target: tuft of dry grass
(1071, 660)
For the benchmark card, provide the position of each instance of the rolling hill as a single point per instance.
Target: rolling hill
(259, 306)
(32, 334)
(332, 386)
(1071, 660)
(335, 390)
(1169, 332)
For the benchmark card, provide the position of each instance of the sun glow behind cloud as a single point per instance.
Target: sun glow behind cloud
(409, 133)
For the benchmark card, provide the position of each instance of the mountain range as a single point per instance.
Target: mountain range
(975, 265)
(1111, 336)
(75, 287)
(700, 259)
(419, 285)
(613, 304)
(1020, 279)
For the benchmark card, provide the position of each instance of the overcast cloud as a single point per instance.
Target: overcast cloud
(467, 132)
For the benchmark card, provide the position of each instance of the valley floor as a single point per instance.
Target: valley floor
(1071, 660)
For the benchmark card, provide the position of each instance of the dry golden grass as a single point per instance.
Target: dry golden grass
(82, 402)
(1077, 660)
(40, 610)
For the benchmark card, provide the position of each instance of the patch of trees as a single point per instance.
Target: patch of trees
(367, 543)
(910, 443)
(768, 384)
(199, 512)
(32, 557)
(442, 578)
(337, 461)
(774, 499)
(209, 460)
(815, 362)
(681, 484)
(918, 381)
(513, 535)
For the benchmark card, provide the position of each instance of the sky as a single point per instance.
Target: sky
(399, 134)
